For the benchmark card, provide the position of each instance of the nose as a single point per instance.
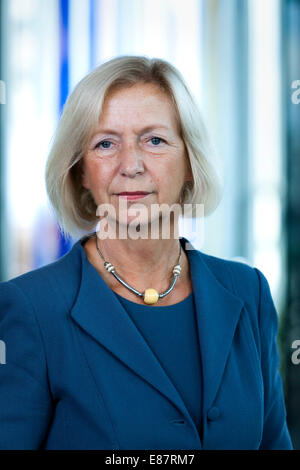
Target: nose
(131, 161)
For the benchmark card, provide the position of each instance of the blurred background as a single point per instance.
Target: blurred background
(240, 58)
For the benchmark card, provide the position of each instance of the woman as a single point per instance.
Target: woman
(163, 346)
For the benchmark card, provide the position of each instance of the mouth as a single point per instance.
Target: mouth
(133, 194)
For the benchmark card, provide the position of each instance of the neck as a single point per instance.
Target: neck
(141, 263)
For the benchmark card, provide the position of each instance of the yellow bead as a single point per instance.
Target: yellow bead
(151, 296)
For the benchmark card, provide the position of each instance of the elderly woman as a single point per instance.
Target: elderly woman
(133, 342)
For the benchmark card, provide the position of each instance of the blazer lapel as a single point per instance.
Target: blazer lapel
(99, 313)
(218, 311)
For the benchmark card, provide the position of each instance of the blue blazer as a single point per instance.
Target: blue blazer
(79, 375)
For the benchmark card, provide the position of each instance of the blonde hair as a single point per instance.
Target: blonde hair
(74, 205)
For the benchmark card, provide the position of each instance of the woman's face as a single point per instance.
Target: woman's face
(137, 147)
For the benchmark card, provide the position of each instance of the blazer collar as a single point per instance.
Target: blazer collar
(100, 314)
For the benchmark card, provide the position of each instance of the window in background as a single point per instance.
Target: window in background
(32, 88)
(265, 143)
(52, 45)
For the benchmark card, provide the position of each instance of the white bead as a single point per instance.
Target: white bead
(109, 267)
(177, 269)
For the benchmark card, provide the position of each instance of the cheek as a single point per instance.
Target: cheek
(169, 175)
(176, 172)
(94, 175)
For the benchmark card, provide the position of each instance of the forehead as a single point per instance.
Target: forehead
(139, 101)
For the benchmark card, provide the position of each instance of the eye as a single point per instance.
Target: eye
(156, 140)
(104, 144)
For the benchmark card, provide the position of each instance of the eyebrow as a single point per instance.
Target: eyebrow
(145, 129)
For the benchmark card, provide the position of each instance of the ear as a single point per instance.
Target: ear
(189, 174)
(84, 178)
(188, 168)
(189, 177)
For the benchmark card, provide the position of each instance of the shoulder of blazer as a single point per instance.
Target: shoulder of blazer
(238, 277)
(59, 280)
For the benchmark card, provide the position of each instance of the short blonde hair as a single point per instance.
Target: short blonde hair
(74, 205)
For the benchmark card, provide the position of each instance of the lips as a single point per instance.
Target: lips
(134, 193)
